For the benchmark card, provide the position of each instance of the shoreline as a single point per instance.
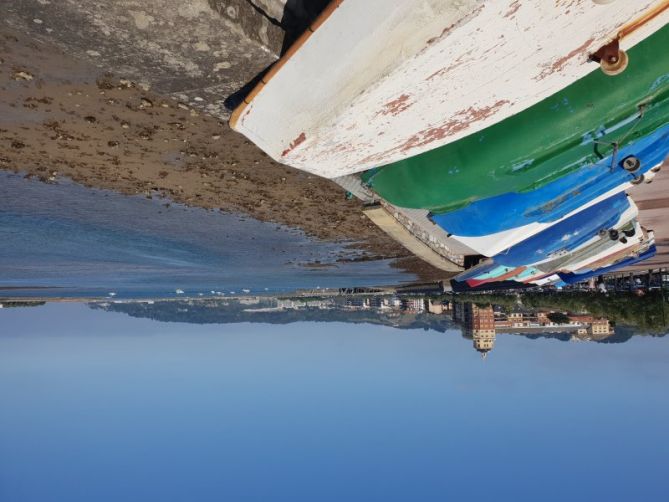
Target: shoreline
(32, 288)
(63, 119)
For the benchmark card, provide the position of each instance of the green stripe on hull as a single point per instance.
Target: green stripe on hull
(549, 140)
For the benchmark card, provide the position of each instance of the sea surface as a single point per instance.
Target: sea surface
(122, 400)
(86, 242)
(101, 406)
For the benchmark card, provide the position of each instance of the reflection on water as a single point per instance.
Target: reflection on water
(327, 397)
(483, 322)
(264, 401)
(479, 321)
(573, 316)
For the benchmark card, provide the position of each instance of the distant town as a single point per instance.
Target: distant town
(628, 306)
(481, 323)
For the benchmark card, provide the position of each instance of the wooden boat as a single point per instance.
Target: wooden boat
(614, 252)
(572, 129)
(573, 278)
(524, 261)
(373, 82)
(484, 228)
(597, 253)
(600, 248)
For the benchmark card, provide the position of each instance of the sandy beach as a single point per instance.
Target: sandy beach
(62, 118)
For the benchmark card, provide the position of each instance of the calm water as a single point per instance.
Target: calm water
(91, 242)
(104, 403)
(100, 406)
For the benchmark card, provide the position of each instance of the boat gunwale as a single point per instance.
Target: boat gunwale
(292, 50)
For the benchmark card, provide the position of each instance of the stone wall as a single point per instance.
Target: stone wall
(254, 21)
(188, 50)
(291, 17)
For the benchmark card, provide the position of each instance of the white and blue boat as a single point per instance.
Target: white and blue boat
(492, 225)
(573, 278)
(557, 243)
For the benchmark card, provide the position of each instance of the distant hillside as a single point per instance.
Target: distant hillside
(229, 312)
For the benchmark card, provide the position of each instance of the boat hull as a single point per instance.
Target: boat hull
(491, 225)
(573, 278)
(374, 82)
(566, 132)
(544, 253)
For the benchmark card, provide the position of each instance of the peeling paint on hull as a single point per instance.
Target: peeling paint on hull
(483, 227)
(566, 132)
(378, 82)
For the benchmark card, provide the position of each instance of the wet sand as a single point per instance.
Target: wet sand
(60, 117)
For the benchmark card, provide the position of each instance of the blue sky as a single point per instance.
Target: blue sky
(101, 406)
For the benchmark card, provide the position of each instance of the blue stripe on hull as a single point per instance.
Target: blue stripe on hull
(564, 236)
(572, 278)
(554, 200)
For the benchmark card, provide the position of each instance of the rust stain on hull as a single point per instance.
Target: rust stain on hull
(567, 3)
(514, 8)
(459, 122)
(443, 71)
(294, 144)
(396, 106)
(450, 28)
(559, 64)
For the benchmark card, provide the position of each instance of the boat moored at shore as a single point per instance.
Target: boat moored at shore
(375, 82)
(483, 227)
(573, 129)
(545, 252)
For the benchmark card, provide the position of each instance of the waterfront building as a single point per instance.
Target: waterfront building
(503, 323)
(581, 319)
(285, 303)
(357, 303)
(435, 307)
(413, 305)
(458, 312)
(600, 327)
(484, 343)
(479, 323)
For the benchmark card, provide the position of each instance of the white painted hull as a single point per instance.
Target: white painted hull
(380, 81)
(546, 280)
(630, 214)
(490, 245)
(632, 242)
(634, 246)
